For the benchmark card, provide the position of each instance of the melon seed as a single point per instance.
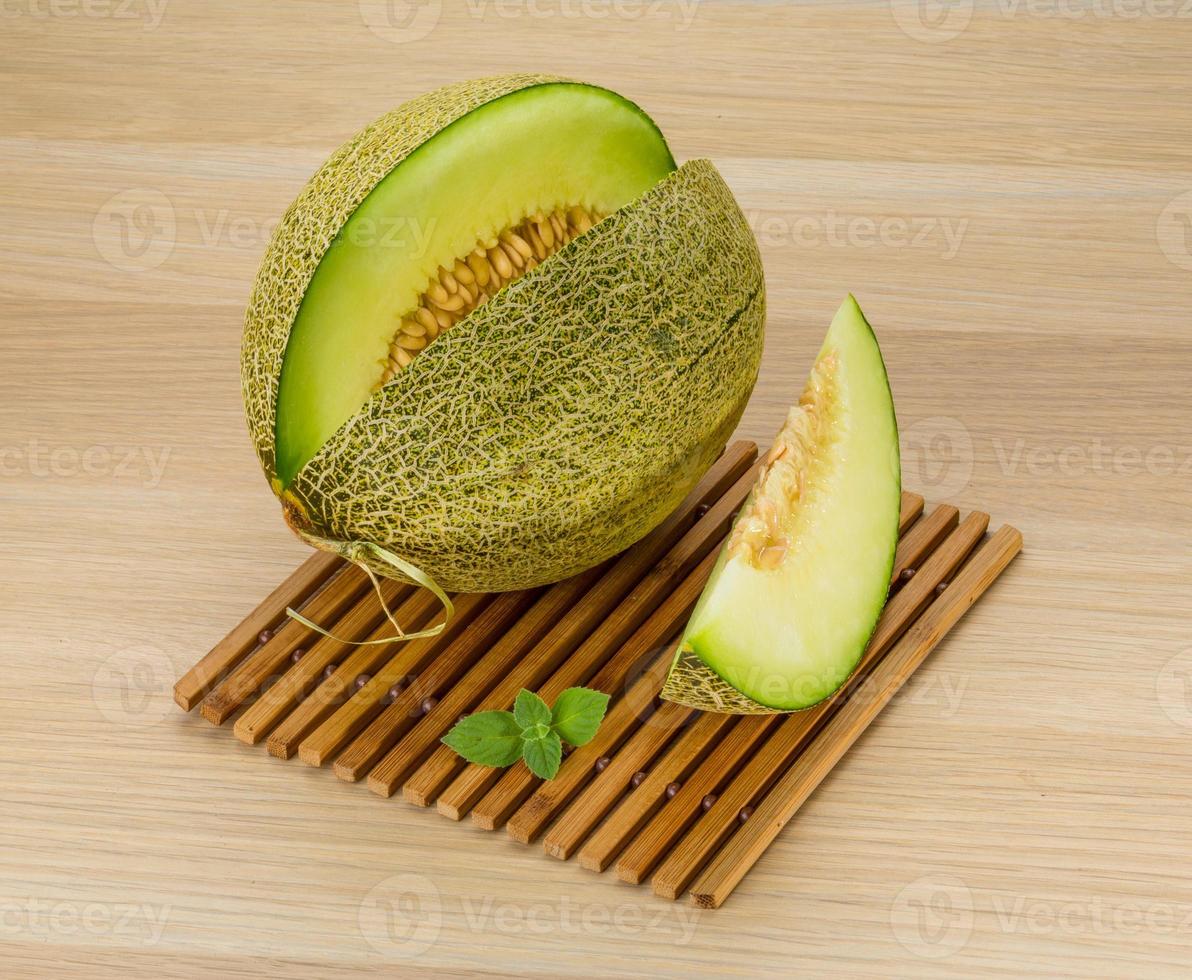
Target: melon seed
(459, 287)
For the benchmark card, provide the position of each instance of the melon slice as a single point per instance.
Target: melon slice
(803, 576)
(485, 199)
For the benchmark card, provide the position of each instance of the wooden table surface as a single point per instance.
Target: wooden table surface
(1007, 188)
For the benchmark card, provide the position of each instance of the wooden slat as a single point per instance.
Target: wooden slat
(413, 747)
(642, 603)
(641, 803)
(517, 783)
(678, 814)
(366, 622)
(923, 538)
(648, 742)
(626, 713)
(302, 583)
(344, 591)
(684, 861)
(417, 611)
(659, 629)
(653, 739)
(743, 850)
(909, 510)
(341, 717)
(424, 786)
(389, 726)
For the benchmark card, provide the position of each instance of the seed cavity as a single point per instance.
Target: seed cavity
(761, 532)
(471, 280)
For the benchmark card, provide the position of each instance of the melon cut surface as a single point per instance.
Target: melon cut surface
(546, 149)
(803, 577)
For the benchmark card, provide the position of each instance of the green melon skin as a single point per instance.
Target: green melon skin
(569, 415)
(558, 423)
(764, 640)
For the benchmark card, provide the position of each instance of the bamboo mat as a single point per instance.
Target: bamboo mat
(685, 800)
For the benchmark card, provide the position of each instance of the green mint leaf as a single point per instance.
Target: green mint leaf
(530, 710)
(543, 755)
(488, 738)
(578, 713)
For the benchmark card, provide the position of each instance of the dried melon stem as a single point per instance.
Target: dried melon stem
(761, 535)
(475, 278)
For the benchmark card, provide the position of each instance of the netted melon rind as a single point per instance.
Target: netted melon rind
(311, 223)
(691, 682)
(568, 416)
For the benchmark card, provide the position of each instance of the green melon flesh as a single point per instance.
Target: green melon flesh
(803, 578)
(538, 149)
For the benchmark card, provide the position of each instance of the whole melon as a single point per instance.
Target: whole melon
(501, 335)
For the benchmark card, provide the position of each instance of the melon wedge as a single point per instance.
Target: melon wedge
(803, 576)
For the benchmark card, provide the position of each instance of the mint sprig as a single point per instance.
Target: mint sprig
(531, 731)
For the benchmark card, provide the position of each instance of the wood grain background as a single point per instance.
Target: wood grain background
(1007, 187)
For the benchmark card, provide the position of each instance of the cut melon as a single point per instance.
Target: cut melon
(803, 576)
(500, 335)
